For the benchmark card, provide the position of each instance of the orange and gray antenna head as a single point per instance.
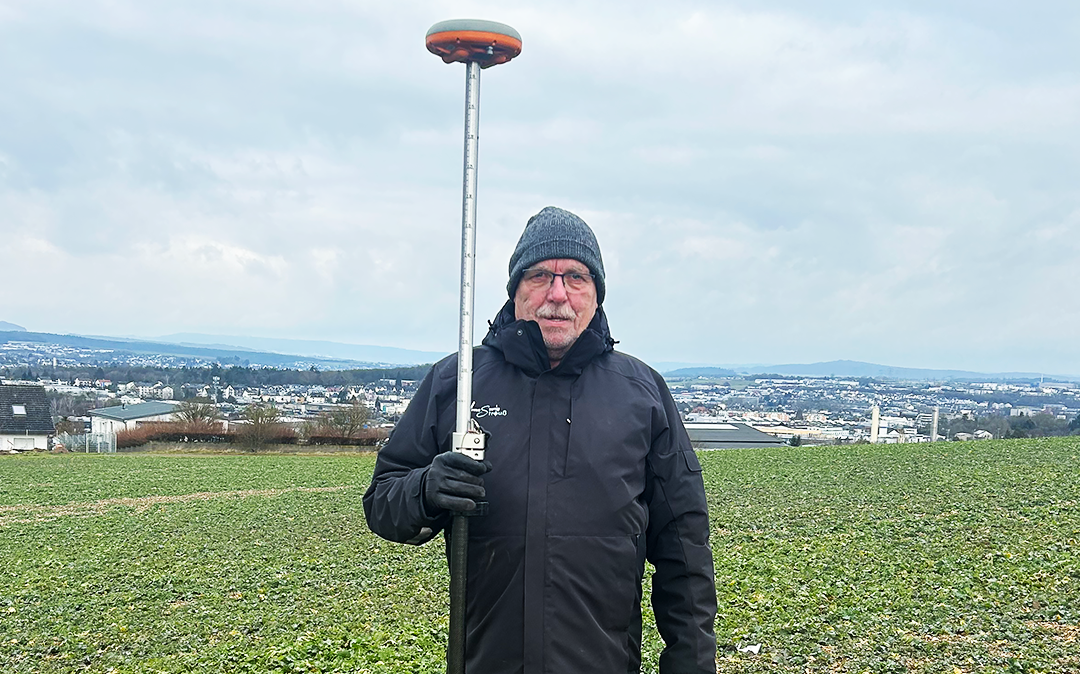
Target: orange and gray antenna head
(463, 40)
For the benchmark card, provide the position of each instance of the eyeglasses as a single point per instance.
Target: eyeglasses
(535, 279)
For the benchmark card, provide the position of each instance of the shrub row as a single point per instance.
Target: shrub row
(179, 431)
(246, 435)
(367, 437)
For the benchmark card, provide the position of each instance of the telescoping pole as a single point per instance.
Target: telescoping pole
(477, 44)
(468, 246)
(459, 531)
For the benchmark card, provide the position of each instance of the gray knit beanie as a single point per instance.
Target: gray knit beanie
(551, 234)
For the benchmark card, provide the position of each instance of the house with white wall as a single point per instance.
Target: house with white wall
(112, 420)
(25, 418)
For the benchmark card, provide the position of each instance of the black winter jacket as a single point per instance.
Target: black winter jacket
(592, 474)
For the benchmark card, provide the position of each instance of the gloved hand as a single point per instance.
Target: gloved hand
(453, 482)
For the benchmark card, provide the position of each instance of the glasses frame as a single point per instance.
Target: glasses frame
(551, 279)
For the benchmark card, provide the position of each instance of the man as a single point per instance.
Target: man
(589, 473)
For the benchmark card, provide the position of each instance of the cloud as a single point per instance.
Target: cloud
(770, 182)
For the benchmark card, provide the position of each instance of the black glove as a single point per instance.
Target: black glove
(453, 482)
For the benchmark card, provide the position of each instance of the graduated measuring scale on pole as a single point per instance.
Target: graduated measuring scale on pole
(478, 44)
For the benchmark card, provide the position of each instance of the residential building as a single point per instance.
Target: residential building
(729, 436)
(25, 418)
(112, 420)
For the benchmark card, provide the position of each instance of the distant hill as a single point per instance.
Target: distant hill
(225, 356)
(305, 347)
(700, 372)
(853, 368)
(325, 355)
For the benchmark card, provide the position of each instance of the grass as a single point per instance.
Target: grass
(914, 558)
(903, 558)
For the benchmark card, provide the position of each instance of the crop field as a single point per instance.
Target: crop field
(951, 557)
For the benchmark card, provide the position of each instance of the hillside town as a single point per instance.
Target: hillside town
(832, 410)
(797, 411)
(23, 352)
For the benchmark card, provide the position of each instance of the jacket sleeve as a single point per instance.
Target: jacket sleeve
(393, 503)
(677, 539)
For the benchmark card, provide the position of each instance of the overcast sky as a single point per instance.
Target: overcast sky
(770, 181)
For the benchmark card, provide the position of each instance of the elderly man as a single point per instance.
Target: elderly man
(590, 473)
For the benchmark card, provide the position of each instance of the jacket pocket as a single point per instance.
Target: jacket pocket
(692, 463)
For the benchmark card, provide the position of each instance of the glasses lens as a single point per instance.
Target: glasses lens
(578, 281)
(539, 277)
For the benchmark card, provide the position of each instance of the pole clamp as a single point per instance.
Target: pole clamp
(472, 442)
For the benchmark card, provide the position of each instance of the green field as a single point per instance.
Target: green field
(952, 557)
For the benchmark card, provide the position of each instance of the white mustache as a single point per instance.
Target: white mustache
(556, 312)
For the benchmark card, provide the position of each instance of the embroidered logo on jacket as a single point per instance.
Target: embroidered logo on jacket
(488, 411)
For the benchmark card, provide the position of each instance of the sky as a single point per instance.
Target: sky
(770, 181)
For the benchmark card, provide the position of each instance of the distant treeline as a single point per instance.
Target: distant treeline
(1033, 426)
(235, 375)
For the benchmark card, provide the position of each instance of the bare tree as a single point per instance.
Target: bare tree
(197, 413)
(69, 427)
(262, 427)
(67, 404)
(344, 421)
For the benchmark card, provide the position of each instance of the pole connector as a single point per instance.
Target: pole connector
(472, 442)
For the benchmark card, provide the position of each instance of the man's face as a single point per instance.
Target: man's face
(563, 314)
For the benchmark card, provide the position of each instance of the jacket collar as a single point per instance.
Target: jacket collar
(522, 343)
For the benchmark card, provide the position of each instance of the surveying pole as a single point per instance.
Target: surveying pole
(478, 44)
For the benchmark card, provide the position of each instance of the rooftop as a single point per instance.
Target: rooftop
(138, 411)
(729, 436)
(24, 409)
